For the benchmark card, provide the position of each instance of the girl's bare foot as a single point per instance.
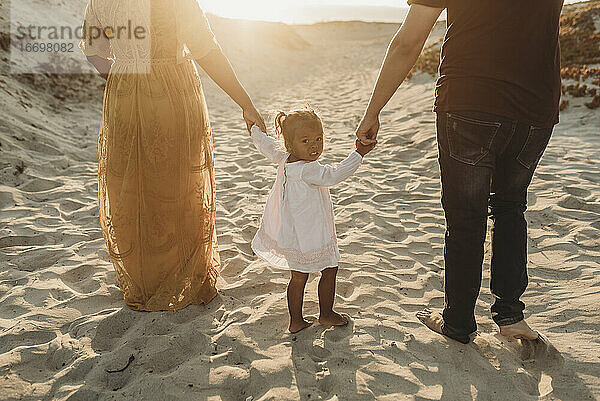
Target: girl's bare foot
(296, 326)
(519, 330)
(333, 319)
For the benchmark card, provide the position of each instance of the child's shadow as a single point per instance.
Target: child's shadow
(321, 364)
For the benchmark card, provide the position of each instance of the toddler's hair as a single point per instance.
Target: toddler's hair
(287, 125)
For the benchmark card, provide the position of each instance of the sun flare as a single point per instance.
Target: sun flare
(259, 9)
(288, 11)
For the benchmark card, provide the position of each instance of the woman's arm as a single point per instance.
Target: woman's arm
(266, 145)
(219, 69)
(94, 45)
(101, 64)
(401, 56)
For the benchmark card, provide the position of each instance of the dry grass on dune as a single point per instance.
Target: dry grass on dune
(580, 48)
(429, 60)
(579, 37)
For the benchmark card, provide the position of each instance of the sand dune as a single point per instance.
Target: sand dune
(65, 333)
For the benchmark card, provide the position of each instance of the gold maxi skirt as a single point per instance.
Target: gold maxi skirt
(156, 185)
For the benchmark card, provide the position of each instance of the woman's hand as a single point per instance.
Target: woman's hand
(367, 129)
(253, 117)
(102, 65)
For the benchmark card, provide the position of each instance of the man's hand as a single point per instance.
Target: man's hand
(364, 149)
(253, 117)
(367, 130)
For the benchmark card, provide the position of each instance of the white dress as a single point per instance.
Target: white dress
(297, 230)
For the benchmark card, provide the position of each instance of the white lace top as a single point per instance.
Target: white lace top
(297, 230)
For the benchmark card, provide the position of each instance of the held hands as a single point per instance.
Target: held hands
(364, 149)
(253, 117)
(367, 129)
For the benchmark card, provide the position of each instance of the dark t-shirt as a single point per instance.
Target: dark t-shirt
(501, 57)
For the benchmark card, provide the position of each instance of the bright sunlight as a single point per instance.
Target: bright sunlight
(289, 11)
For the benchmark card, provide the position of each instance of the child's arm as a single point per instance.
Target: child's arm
(326, 176)
(266, 145)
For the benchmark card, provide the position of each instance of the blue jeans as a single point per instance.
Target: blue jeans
(486, 163)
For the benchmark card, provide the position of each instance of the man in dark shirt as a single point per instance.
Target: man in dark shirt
(496, 102)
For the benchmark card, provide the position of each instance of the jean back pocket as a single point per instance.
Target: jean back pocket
(469, 139)
(534, 146)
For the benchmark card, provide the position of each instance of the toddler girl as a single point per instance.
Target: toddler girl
(297, 231)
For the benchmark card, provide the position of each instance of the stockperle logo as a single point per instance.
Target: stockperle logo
(48, 37)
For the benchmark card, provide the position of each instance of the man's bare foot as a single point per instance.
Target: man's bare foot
(333, 319)
(299, 325)
(519, 330)
(434, 321)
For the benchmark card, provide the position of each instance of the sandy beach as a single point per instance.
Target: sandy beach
(65, 333)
